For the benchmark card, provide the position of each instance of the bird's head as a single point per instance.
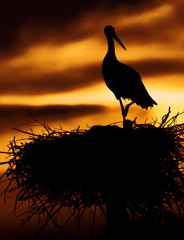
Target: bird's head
(110, 32)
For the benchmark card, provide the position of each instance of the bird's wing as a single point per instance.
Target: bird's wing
(132, 87)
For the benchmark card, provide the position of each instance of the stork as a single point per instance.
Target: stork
(121, 79)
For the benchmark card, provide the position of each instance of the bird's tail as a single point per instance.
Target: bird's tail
(147, 102)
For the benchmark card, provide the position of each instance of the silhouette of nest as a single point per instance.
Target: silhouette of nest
(141, 165)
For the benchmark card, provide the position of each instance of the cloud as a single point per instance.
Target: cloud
(17, 116)
(163, 24)
(20, 81)
(158, 67)
(25, 24)
(63, 67)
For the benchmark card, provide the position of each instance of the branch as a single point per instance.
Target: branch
(165, 117)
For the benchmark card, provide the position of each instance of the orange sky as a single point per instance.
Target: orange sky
(48, 71)
(50, 66)
(51, 56)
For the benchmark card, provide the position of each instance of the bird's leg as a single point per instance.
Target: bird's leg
(127, 107)
(122, 109)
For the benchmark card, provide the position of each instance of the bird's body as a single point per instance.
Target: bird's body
(121, 79)
(125, 82)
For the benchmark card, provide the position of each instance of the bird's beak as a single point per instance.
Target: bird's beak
(119, 41)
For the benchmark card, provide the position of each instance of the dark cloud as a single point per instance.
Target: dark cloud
(164, 30)
(157, 33)
(17, 116)
(146, 34)
(24, 23)
(158, 67)
(17, 82)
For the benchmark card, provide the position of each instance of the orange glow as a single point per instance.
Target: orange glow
(101, 94)
(45, 59)
(92, 95)
(156, 14)
(150, 51)
(51, 71)
(49, 58)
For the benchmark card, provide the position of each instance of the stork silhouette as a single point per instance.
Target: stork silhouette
(121, 79)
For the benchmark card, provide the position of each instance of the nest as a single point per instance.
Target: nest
(140, 166)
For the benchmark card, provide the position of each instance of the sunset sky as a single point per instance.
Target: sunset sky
(51, 54)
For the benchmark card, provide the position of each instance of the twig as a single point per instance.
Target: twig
(2, 163)
(33, 134)
(164, 118)
(115, 123)
(4, 152)
(173, 119)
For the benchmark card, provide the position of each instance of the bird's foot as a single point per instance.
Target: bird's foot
(127, 124)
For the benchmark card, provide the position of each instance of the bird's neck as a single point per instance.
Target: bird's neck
(111, 48)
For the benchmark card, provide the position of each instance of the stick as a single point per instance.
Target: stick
(165, 117)
(33, 134)
(8, 162)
